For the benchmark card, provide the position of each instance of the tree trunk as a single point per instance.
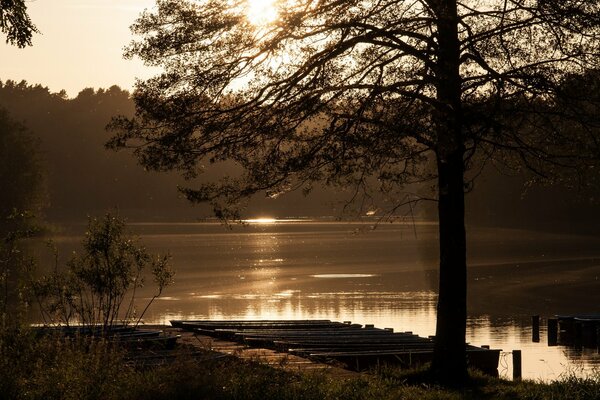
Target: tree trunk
(449, 359)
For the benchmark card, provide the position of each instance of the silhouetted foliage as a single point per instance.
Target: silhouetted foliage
(21, 177)
(564, 199)
(342, 91)
(15, 262)
(15, 23)
(98, 288)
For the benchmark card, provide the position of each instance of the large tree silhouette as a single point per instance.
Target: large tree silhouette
(363, 93)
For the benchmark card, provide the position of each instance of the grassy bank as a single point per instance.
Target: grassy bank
(52, 368)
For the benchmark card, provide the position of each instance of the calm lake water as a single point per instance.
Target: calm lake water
(385, 276)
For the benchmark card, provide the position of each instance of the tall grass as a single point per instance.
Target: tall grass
(54, 368)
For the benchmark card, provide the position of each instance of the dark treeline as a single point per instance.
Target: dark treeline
(504, 200)
(82, 178)
(507, 199)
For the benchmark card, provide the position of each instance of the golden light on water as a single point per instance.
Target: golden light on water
(261, 12)
(264, 220)
(338, 276)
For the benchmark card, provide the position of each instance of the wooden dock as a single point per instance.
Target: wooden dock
(273, 358)
(341, 348)
(325, 342)
(579, 330)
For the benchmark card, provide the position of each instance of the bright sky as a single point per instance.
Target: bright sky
(81, 45)
(82, 42)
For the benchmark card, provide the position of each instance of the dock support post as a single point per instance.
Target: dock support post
(516, 359)
(552, 331)
(578, 334)
(535, 328)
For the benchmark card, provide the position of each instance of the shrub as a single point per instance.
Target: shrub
(98, 288)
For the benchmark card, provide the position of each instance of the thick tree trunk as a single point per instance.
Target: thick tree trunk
(449, 361)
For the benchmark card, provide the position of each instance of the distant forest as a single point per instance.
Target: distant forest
(80, 177)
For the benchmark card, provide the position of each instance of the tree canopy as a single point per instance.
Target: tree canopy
(363, 93)
(360, 77)
(15, 23)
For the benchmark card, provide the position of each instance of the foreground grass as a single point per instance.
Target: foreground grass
(51, 368)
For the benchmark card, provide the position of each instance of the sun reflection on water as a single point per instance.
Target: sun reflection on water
(260, 220)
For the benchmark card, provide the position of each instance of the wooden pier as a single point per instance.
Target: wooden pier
(273, 358)
(351, 346)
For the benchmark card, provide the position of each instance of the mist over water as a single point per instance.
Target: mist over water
(348, 271)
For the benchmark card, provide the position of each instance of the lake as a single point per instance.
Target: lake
(348, 271)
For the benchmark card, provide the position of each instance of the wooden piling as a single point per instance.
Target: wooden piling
(535, 328)
(589, 336)
(578, 334)
(517, 370)
(552, 331)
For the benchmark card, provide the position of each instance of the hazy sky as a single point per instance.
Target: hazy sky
(81, 45)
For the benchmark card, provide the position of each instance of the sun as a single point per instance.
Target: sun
(261, 12)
